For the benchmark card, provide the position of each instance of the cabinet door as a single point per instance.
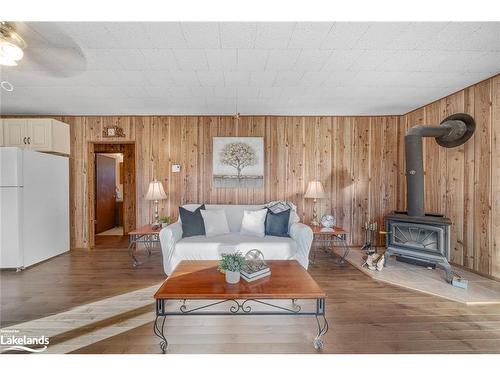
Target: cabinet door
(15, 132)
(40, 134)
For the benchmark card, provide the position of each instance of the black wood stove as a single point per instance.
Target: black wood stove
(414, 234)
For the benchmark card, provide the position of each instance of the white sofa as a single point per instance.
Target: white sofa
(175, 248)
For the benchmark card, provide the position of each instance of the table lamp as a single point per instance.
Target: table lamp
(315, 191)
(156, 193)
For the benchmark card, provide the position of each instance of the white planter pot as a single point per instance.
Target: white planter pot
(232, 277)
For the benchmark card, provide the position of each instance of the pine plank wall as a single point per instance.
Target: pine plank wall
(360, 161)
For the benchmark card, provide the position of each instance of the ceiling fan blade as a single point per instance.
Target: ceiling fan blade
(50, 50)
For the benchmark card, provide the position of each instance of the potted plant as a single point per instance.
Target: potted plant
(231, 264)
(164, 220)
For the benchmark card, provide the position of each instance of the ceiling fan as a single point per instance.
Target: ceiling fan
(46, 48)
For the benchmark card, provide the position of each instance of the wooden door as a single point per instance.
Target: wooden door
(15, 132)
(40, 134)
(105, 193)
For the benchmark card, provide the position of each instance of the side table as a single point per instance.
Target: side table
(324, 239)
(146, 235)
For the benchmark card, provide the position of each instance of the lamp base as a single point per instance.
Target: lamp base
(314, 223)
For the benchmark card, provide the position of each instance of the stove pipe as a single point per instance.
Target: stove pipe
(453, 131)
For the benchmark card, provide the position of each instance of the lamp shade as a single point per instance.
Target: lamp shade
(315, 190)
(155, 191)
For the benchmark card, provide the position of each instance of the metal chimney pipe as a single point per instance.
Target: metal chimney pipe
(453, 131)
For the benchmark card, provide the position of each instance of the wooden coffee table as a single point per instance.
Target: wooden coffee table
(198, 288)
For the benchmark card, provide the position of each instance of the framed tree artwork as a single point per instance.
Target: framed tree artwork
(238, 162)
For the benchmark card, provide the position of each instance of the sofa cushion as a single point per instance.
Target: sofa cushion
(192, 221)
(203, 248)
(277, 223)
(253, 223)
(215, 222)
(234, 213)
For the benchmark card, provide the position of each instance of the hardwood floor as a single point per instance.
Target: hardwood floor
(72, 279)
(365, 316)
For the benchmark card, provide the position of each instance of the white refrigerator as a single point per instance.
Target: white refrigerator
(34, 207)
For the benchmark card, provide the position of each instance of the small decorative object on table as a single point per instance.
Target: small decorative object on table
(255, 267)
(327, 221)
(232, 264)
(164, 220)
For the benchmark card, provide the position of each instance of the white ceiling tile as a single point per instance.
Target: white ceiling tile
(181, 78)
(342, 60)
(248, 92)
(191, 59)
(309, 34)
(201, 34)
(159, 77)
(450, 37)
(262, 79)
(238, 34)
(312, 59)
(129, 59)
(129, 34)
(225, 92)
(237, 78)
(344, 35)
(273, 35)
(288, 78)
(160, 59)
(222, 59)
(370, 60)
(416, 34)
(100, 59)
(211, 78)
(252, 59)
(165, 34)
(282, 59)
(90, 35)
(314, 79)
(380, 35)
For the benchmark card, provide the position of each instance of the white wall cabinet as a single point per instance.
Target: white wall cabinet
(39, 134)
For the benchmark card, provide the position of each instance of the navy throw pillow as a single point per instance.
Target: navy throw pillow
(192, 222)
(277, 224)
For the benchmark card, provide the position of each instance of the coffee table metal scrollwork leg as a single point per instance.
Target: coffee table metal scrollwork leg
(322, 325)
(158, 331)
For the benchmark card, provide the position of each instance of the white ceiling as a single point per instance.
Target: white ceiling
(291, 68)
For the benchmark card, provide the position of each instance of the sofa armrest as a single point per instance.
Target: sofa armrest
(168, 238)
(303, 235)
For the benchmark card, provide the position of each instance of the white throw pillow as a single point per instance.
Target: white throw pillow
(253, 223)
(215, 222)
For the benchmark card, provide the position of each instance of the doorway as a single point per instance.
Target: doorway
(112, 213)
(109, 194)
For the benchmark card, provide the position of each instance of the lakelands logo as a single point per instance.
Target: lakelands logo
(10, 340)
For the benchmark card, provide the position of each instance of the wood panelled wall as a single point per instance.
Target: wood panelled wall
(360, 161)
(354, 157)
(464, 182)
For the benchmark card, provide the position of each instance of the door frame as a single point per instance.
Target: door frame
(129, 184)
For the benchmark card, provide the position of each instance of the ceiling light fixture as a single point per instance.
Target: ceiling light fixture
(11, 45)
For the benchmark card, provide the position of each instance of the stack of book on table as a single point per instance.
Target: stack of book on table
(255, 273)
